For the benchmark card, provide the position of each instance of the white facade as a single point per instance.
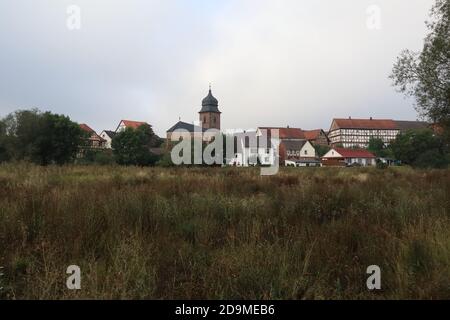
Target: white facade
(349, 138)
(248, 154)
(363, 161)
(107, 138)
(121, 126)
(307, 151)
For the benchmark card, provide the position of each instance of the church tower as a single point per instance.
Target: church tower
(210, 114)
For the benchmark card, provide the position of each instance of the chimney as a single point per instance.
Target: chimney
(288, 127)
(371, 118)
(350, 118)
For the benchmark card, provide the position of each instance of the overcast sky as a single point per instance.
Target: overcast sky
(270, 62)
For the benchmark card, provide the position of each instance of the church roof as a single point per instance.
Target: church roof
(210, 103)
(180, 125)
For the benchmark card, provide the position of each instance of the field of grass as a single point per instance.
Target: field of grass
(213, 233)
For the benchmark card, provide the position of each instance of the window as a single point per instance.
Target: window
(214, 119)
(204, 120)
(306, 152)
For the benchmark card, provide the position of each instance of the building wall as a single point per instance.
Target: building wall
(321, 140)
(121, 127)
(108, 140)
(307, 152)
(349, 138)
(210, 120)
(361, 161)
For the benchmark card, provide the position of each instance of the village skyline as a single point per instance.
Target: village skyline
(274, 63)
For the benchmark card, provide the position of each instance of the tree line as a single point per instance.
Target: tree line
(46, 138)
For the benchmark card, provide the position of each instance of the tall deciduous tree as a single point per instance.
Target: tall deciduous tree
(132, 146)
(43, 138)
(425, 75)
(420, 148)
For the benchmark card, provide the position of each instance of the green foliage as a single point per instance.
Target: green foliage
(43, 138)
(132, 146)
(425, 75)
(420, 148)
(379, 148)
(97, 156)
(321, 150)
(382, 165)
(4, 153)
(166, 160)
(376, 146)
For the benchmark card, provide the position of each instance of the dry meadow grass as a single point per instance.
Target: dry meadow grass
(213, 233)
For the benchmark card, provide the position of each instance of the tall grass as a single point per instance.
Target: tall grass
(213, 233)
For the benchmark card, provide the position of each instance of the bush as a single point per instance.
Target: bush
(421, 148)
(382, 165)
(132, 146)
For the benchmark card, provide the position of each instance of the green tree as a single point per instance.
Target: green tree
(379, 148)
(42, 138)
(425, 75)
(321, 150)
(4, 153)
(133, 146)
(420, 148)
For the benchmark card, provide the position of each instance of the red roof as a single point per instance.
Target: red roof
(312, 134)
(86, 128)
(354, 153)
(385, 124)
(286, 133)
(133, 124)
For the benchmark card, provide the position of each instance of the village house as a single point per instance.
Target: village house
(265, 148)
(107, 135)
(298, 153)
(317, 137)
(123, 124)
(342, 157)
(350, 132)
(94, 140)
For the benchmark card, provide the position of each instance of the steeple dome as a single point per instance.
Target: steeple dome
(210, 103)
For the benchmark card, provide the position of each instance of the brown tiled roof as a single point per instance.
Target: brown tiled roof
(312, 134)
(411, 125)
(133, 124)
(354, 153)
(93, 134)
(86, 128)
(286, 133)
(385, 124)
(296, 145)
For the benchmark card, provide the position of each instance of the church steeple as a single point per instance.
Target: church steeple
(210, 114)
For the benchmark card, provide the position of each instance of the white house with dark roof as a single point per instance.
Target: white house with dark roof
(107, 135)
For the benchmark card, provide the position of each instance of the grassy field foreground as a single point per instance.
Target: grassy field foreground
(185, 233)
